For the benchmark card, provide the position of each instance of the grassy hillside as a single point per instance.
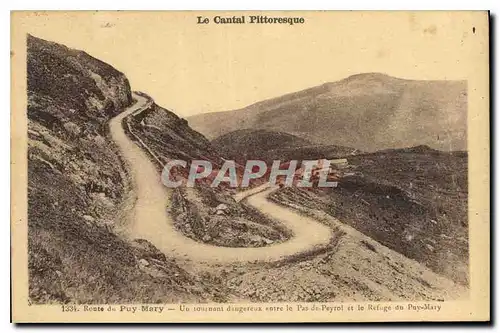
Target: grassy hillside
(366, 111)
(255, 144)
(243, 145)
(79, 195)
(413, 201)
(77, 190)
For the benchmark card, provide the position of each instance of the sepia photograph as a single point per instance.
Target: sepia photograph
(250, 166)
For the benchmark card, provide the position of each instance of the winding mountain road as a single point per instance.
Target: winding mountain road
(152, 222)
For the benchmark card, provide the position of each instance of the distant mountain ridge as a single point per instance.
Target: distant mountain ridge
(243, 145)
(370, 111)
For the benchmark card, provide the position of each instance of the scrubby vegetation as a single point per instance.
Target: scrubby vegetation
(77, 188)
(197, 211)
(210, 215)
(412, 200)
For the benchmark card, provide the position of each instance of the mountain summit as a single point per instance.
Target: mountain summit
(369, 111)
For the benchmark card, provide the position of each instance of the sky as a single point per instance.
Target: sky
(192, 68)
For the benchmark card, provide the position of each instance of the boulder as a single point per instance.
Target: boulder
(143, 262)
(222, 207)
(88, 218)
(268, 241)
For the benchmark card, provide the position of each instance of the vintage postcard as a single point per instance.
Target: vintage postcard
(283, 166)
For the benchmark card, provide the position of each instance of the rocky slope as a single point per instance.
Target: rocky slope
(367, 111)
(412, 200)
(77, 189)
(79, 192)
(171, 137)
(353, 268)
(203, 213)
(358, 264)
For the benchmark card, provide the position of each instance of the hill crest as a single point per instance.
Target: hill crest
(369, 111)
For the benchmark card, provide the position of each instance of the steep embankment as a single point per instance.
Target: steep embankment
(171, 137)
(76, 187)
(366, 111)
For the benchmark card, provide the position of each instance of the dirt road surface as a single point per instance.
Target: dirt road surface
(151, 220)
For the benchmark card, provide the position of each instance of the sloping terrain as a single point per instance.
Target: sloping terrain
(412, 200)
(351, 266)
(171, 137)
(252, 144)
(205, 214)
(77, 190)
(366, 111)
(97, 211)
(243, 145)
